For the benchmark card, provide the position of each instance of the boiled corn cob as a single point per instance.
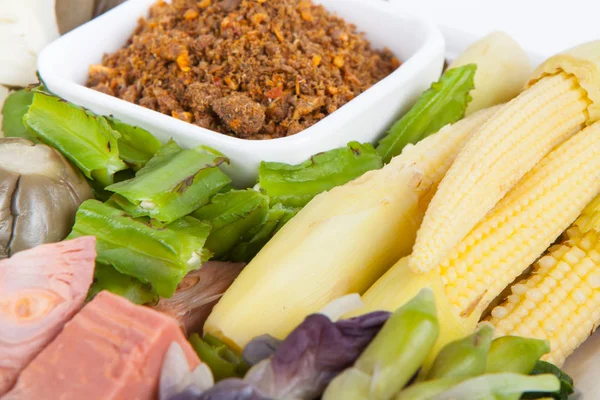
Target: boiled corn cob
(340, 243)
(561, 99)
(560, 301)
(506, 242)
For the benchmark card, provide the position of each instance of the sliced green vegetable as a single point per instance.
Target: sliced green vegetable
(444, 103)
(504, 386)
(566, 382)
(256, 238)
(108, 278)
(463, 358)
(223, 361)
(136, 145)
(515, 354)
(174, 182)
(399, 349)
(395, 355)
(15, 107)
(428, 389)
(158, 255)
(232, 215)
(85, 139)
(296, 185)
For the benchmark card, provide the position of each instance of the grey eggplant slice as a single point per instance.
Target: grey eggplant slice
(40, 192)
(40, 290)
(197, 294)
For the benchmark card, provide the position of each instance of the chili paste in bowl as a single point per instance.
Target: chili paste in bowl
(246, 68)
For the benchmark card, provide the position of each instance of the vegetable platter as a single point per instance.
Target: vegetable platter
(445, 247)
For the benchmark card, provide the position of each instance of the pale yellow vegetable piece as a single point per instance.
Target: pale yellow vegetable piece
(558, 103)
(503, 68)
(340, 243)
(560, 301)
(512, 236)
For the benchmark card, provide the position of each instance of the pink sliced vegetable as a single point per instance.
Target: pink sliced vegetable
(198, 292)
(112, 349)
(40, 290)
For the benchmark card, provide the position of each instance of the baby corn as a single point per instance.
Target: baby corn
(523, 224)
(495, 158)
(563, 96)
(340, 243)
(506, 241)
(560, 301)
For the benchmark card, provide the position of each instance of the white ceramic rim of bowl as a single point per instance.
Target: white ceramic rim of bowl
(291, 149)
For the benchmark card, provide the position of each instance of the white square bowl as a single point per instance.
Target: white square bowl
(63, 66)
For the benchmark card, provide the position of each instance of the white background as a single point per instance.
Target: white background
(542, 26)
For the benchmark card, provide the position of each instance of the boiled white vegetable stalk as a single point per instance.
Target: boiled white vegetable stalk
(496, 55)
(26, 26)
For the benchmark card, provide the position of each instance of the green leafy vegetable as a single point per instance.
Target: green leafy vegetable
(173, 183)
(223, 361)
(232, 215)
(84, 138)
(256, 238)
(15, 107)
(566, 382)
(155, 254)
(136, 145)
(296, 185)
(108, 278)
(444, 103)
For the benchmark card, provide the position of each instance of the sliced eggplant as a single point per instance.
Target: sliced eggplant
(39, 195)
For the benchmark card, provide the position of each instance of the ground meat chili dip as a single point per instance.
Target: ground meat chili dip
(254, 69)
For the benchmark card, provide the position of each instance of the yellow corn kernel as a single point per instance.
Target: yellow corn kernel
(340, 243)
(565, 315)
(494, 159)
